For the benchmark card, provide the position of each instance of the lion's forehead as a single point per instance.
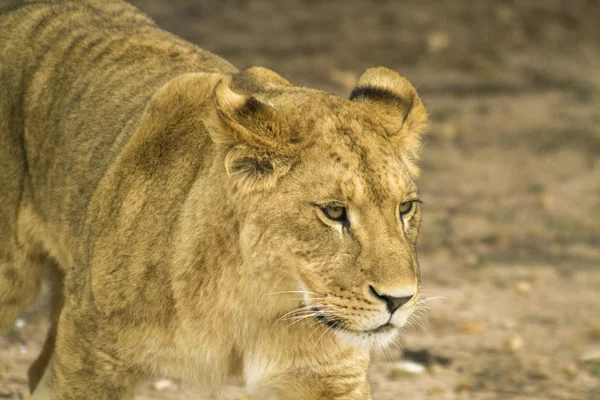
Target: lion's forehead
(374, 186)
(370, 171)
(352, 149)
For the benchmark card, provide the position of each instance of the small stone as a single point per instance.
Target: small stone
(591, 355)
(595, 331)
(436, 390)
(464, 385)
(514, 343)
(162, 384)
(546, 202)
(472, 328)
(407, 368)
(19, 324)
(524, 287)
(571, 370)
(471, 259)
(434, 369)
(539, 373)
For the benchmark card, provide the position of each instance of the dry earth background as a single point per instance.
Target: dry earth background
(511, 180)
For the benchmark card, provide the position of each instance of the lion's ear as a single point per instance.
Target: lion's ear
(396, 102)
(258, 79)
(254, 136)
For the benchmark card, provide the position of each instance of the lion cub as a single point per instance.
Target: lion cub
(198, 220)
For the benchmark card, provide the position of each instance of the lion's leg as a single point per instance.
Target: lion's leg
(20, 280)
(41, 364)
(308, 371)
(306, 386)
(21, 267)
(81, 369)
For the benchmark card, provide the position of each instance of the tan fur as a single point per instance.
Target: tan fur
(179, 202)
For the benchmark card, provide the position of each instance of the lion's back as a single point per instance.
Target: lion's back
(76, 76)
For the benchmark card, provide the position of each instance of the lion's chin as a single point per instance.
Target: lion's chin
(376, 339)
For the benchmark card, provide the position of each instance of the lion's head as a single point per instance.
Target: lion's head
(325, 192)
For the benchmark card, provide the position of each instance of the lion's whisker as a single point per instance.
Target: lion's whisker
(329, 327)
(425, 300)
(314, 308)
(296, 310)
(293, 291)
(307, 314)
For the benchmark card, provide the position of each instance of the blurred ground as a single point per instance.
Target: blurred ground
(511, 179)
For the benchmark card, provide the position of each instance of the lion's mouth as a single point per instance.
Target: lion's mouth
(340, 325)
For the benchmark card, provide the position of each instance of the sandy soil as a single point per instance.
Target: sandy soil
(511, 180)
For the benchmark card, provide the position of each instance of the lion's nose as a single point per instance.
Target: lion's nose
(393, 303)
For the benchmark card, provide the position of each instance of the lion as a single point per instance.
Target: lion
(199, 221)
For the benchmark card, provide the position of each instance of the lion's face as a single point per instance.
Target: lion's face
(339, 227)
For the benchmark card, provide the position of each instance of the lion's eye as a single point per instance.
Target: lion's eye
(405, 207)
(335, 212)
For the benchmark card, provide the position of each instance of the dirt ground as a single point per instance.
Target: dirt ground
(511, 181)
